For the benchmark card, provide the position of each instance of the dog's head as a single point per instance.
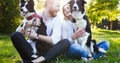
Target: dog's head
(77, 5)
(26, 6)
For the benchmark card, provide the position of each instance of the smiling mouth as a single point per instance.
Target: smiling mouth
(74, 9)
(24, 13)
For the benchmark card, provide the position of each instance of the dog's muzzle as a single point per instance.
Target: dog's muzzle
(24, 13)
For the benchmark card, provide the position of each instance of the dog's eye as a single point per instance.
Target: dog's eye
(26, 6)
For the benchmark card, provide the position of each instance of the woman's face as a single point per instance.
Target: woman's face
(66, 10)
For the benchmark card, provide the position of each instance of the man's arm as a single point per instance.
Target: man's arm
(56, 33)
(33, 35)
(47, 39)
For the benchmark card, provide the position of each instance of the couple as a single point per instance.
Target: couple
(54, 34)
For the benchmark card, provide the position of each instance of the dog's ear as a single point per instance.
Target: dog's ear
(31, 2)
(84, 1)
(22, 1)
(30, 6)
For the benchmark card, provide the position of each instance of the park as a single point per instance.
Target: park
(104, 16)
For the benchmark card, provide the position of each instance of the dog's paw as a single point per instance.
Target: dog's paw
(84, 59)
(39, 59)
(87, 59)
(34, 56)
(102, 50)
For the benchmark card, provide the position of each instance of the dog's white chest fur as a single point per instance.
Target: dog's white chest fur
(80, 22)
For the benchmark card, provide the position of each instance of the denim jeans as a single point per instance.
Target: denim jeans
(76, 51)
(25, 50)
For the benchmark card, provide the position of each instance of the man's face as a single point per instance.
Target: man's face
(54, 8)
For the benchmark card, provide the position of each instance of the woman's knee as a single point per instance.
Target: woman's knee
(75, 48)
(107, 44)
(104, 44)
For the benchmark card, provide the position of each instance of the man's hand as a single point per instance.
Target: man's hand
(35, 22)
(31, 34)
(78, 33)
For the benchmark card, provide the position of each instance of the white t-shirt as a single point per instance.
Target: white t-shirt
(67, 30)
(54, 26)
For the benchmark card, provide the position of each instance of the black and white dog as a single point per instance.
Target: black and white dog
(35, 23)
(30, 17)
(78, 13)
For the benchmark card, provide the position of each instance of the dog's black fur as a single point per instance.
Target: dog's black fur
(26, 7)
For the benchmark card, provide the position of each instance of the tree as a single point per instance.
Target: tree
(99, 9)
(9, 15)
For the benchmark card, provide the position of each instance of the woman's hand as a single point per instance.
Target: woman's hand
(78, 33)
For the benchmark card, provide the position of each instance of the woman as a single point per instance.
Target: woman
(75, 50)
(67, 31)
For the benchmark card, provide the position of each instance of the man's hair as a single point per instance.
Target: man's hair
(50, 2)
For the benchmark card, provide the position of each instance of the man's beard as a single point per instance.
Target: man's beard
(53, 13)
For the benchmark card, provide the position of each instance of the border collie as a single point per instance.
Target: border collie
(86, 42)
(31, 17)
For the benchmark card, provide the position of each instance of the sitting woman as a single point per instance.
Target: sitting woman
(75, 50)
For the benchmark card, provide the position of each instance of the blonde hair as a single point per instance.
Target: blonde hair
(63, 9)
(50, 2)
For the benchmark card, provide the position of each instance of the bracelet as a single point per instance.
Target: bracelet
(37, 36)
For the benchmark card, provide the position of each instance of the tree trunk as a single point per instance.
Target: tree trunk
(111, 25)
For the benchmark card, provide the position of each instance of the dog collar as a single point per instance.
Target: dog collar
(32, 16)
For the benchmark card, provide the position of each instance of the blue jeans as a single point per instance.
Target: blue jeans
(76, 51)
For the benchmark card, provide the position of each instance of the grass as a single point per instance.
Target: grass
(8, 54)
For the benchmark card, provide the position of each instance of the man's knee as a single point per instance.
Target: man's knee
(14, 34)
(65, 42)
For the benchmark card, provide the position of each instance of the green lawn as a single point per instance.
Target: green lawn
(8, 54)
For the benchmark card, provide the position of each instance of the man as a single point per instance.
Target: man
(53, 24)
